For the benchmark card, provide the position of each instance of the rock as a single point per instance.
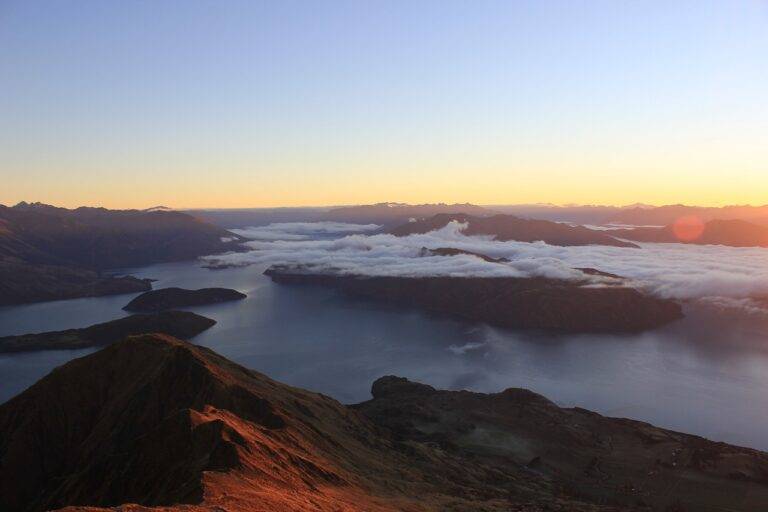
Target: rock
(392, 385)
(598, 456)
(170, 298)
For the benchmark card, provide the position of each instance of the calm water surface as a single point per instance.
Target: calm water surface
(703, 375)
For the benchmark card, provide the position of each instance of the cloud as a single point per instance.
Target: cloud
(679, 271)
(302, 230)
(460, 350)
(613, 227)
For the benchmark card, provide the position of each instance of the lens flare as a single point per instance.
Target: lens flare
(688, 228)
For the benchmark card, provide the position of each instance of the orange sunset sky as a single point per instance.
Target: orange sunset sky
(245, 104)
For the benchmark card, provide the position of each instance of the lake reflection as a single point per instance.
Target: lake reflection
(703, 375)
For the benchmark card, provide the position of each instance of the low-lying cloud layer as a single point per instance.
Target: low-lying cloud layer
(667, 270)
(302, 230)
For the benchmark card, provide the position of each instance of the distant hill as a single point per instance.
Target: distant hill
(578, 214)
(551, 305)
(49, 253)
(664, 215)
(391, 214)
(734, 233)
(231, 218)
(509, 227)
(22, 282)
(99, 238)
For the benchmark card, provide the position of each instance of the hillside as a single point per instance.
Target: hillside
(103, 239)
(180, 324)
(734, 233)
(392, 214)
(49, 253)
(509, 227)
(663, 215)
(520, 303)
(158, 422)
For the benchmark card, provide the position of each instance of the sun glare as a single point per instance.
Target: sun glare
(688, 228)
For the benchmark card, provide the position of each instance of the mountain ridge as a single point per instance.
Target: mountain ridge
(166, 425)
(509, 227)
(50, 253)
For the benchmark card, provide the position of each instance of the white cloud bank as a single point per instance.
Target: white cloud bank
(668, 270)
(302, 230)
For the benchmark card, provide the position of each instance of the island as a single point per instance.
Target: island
(171, 298)
(539, 303)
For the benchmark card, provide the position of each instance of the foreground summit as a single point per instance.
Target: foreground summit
(156, 422)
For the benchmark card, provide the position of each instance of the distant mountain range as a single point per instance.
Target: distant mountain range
(385, 214)
(391, 214)
(50, 253)
(509, 227)
(663, 215)
(734, 233)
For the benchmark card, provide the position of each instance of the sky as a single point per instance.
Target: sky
(287, 103)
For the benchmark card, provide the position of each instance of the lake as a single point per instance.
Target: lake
(706, 375)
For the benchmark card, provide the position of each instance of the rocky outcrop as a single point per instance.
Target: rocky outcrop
(180, 324)
(171, 298)
(508, 227)
(156, 422)
(521, 303)
(607, 460)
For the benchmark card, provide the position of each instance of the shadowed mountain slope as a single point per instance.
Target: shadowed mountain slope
(98, 238)
(156, 422)
(22, 282)
(520, 303)
(49, 253)
(181, 324)
(509, 227)
(392, 214)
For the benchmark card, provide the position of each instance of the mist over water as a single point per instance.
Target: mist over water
(680, 271)
(706, 374)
